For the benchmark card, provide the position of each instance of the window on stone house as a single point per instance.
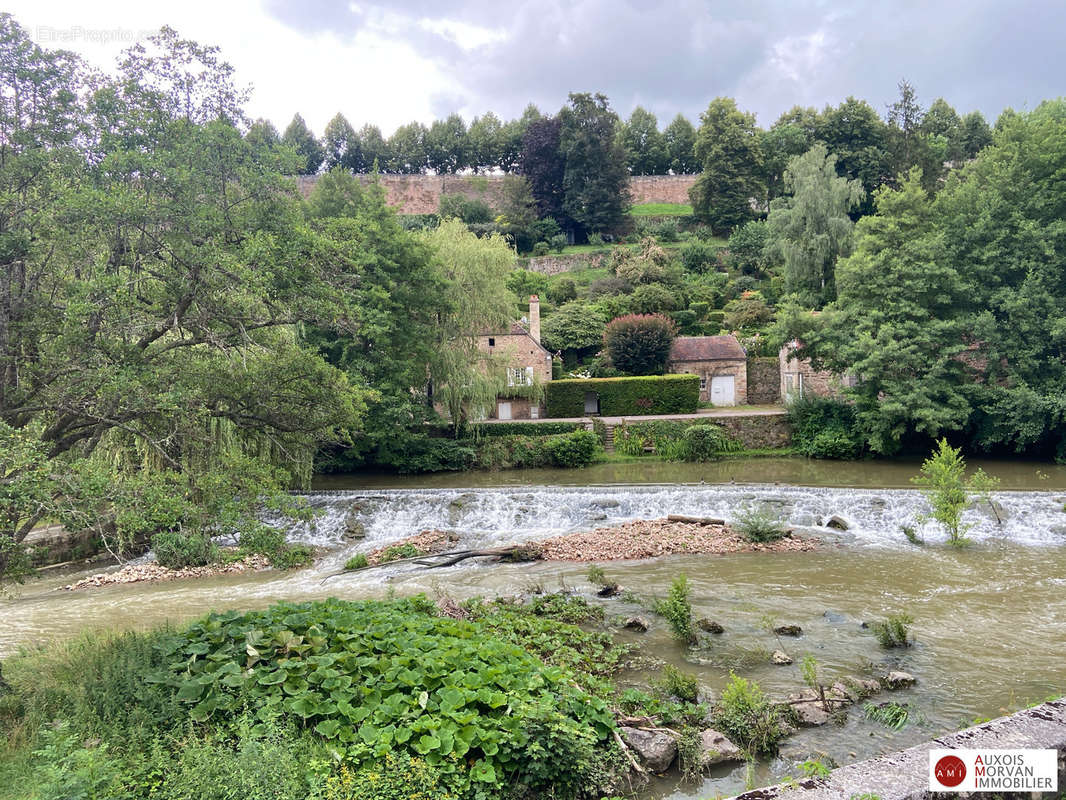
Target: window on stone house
(520, 376)
(492, 342)
(703, 383)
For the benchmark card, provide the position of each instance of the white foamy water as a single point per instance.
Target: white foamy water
(505, 515)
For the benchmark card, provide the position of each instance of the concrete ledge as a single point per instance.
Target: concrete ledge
(904, 775)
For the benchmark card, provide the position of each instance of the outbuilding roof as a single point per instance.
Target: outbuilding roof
(707, 348)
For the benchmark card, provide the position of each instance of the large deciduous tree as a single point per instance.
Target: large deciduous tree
(342, 146)
(646, 152)
(727, 147)
(679, 137)
(447, 145)
(407, 149)
(595, 181)
(544, 167)
(809, 226)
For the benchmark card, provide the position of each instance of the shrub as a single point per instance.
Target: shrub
(178, 550)
(746, 715)
(943, 481)
(400, 777)
(524, 282)
(596, 239)
(677, 610)
(611, 285)
(469, 210)
(759, 525)
(747, 247)
(893, 630)
(708, 442)
(577, 449)
(660, 394)
(557, 242)
(540, 249)
(640, 343)
(575, 327)
(270, 542)
(697, 256)
(667, 230)
(824, 427)
(425, 454)
(679, 684)
(386, 676)
(654, 297)
(747, 312)
(562, 290)
(358, 561)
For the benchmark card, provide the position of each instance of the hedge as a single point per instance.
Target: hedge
(524, 428)
(653, 394)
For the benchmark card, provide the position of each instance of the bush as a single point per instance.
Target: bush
(893, 630)
(609, 286)
(679, 684)
(562, 290)
(640, 343)
(747, 247)
(677, 610)
(654, 297)
(358, 561)
(401, 777)
(746, 715)
(178, 550)
(471, 211)
(270, 542)
(659, 394)
(824, 427)
(540, 249)
(377, 677)
(708, 443)
(575, 449)
(574, 327)
(426, 454)
(596, 239)
(557, 242)
(759, 525)
(523, 283)
(698, 257)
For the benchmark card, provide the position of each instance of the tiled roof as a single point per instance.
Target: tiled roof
(706, 348)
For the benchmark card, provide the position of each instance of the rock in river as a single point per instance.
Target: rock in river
(638, 624)
(899, 679)
(656, 749)
(717, 749)
(781, 658)
(837, 523)
(788, 630)
(710, 626)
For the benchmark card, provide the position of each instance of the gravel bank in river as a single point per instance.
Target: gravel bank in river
(658, 537)
(135, 573)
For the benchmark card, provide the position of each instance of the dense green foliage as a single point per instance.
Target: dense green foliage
(639, 344)
(944, 483)
(727, 145)
(748, 717)
(674, 440)
(325, 700)
(524, 428)
(658, 394)
(824, 427)
(576, 449)
(758, 524)
(677, 610)
(893, 630)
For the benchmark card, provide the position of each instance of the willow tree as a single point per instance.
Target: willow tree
(476, 301)
(810, 228)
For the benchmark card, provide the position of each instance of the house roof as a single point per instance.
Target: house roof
(516, 329)
(707, 348)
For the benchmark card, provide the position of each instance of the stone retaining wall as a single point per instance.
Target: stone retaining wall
(758, 431)
(764, 381)
(554, 265)
(420, 194)
(903, 775)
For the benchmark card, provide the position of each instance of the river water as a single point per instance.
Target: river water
(990, 620)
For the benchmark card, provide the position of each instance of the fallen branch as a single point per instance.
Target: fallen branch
(628, 753)
(694, 520)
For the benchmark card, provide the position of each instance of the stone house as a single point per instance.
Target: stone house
(526, 360)
(721, 363)
(800, 379)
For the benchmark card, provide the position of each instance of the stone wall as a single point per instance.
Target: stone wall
(764, 381)
(420, 194)
(554, 265)
(758, 431)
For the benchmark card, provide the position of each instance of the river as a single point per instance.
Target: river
(990, 620)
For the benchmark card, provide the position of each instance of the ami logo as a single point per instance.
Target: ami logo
(949, 771)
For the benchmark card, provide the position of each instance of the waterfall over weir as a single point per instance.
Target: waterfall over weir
(495, 516)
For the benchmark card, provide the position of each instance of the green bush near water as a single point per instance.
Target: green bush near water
(179, 550)
(824, 427)
(315, 700)
(576, 449)
(675, 440)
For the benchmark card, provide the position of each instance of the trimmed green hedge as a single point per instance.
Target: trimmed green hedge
(524, 428)
(652, 394)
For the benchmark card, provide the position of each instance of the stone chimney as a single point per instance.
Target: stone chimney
(534, 317)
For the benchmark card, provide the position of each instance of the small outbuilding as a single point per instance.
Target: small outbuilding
(720, 361)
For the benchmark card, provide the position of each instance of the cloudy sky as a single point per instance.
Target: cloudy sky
(393, 62)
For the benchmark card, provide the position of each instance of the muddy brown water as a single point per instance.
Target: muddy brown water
(990, 620)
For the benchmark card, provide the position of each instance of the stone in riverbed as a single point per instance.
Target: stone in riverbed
(781, 658)
(837, 523)
(353, 528)
(638, 624)
(899, 679)
(717, 749)
(656, 749)
(810, 712)
(605, 502)
(710, 626)
(788, 630)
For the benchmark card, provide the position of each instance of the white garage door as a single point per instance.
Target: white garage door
(722, 390)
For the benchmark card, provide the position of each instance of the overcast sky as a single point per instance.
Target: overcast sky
(393, 62)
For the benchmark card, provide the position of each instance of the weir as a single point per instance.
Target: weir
(904, 775)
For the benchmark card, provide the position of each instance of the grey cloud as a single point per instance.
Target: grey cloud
(677, 55)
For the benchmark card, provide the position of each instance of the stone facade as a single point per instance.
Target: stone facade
(420, 194)
(711, 357)
(520, 352)
(764, 381)
(554, 265)
(800, 379)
